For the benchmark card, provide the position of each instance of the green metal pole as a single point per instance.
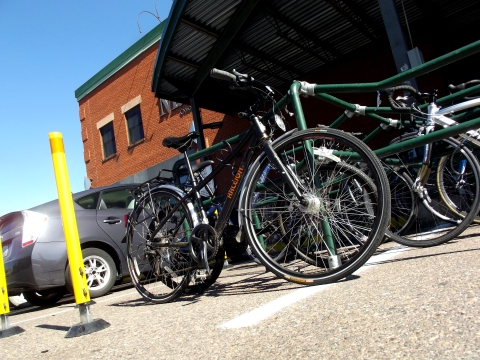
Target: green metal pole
(374, 133)
(429, 66)
(328, 238)
(297, 106)
(339, 121)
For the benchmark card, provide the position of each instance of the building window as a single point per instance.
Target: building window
(134, 124)
(108, 140)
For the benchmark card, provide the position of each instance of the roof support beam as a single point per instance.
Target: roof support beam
(327, 47)
(183, 61)
(263, 71)
(245, 10)
(398, 43)
(268, 57)
(354, 20)
(365, 18)
(199, 27)
(427, 8)
(301, 47)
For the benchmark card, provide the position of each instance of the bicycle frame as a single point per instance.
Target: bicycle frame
(234, 191)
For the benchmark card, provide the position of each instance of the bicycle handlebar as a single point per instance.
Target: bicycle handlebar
(462, 86)
(222, 75)
(390, 91)
(237, 80)
(455, 88)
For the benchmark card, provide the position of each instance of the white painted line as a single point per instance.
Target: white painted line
(255, 316)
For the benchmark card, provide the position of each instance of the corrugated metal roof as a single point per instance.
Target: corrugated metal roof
(275, 41)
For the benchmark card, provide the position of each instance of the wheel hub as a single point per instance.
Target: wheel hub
(96, 272)
(314, 204)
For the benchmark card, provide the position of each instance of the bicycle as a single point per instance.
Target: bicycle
(308, 187)
(442, 177)
(468, 107)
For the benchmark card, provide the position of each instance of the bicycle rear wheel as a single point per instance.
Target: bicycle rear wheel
(345, 220)
(158, 258)
(448, 201)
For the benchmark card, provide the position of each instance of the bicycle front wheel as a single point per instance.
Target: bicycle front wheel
(158, 257)
(347, 213)
(447, 199)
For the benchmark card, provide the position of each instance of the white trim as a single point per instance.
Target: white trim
(132, 103)
(105, 121)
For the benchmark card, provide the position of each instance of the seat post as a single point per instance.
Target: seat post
(194, 184)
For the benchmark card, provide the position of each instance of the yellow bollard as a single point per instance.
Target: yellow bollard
(5, 329)
(74, 251)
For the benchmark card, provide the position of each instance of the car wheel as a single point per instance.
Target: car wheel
(100, 270)
(47, 297)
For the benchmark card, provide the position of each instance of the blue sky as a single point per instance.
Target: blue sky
(48, 50)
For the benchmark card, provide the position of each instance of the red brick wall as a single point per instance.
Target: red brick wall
(131, 81)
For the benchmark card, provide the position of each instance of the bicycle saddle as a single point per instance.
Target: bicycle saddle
(180, 143)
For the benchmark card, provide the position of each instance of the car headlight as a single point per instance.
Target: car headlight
(33, 226)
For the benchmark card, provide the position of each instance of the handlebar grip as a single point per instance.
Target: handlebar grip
(414, 91)
(462, 86)
(222, 75)
(390, 91)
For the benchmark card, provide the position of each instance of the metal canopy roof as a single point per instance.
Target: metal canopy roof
(275, 41)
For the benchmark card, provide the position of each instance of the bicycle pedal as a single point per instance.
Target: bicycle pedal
(200, 276)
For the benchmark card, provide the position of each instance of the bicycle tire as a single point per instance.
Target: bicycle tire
(453, 190)
(403, 200)
(429, 229)
(475, 149)
(158, 258)
(353, 247)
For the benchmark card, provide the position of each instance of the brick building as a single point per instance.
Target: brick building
(123, 123)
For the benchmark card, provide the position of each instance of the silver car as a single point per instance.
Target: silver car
(34, 249)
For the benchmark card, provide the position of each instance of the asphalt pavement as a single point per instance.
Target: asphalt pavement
(405, 303)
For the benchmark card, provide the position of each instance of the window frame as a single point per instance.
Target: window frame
(105, 148)
(136, 133)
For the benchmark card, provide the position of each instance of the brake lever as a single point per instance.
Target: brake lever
(235, 72)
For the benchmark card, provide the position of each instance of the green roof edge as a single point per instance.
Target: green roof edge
(120, 61)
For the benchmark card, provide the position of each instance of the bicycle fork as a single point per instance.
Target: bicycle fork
(424, 173)
(309, 204)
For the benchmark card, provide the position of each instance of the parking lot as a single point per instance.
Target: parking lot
(414, 303)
